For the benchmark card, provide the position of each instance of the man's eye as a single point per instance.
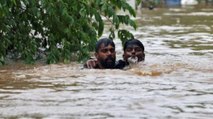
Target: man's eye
(108, 50)
(129, 49)
(104, 50)
(112, 50)
(138, 49)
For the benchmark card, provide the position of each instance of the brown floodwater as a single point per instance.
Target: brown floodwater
(175, 81)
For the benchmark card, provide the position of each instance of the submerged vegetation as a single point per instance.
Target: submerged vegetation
(58, 29)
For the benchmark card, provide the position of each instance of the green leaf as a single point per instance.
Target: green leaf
(132, 23)
(100, 28)
(124, 35)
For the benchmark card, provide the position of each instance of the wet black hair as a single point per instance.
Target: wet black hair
(105, 41)
(133, 42)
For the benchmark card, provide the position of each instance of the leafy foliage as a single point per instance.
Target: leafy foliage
(62, 28)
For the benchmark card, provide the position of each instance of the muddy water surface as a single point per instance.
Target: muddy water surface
(175, 81)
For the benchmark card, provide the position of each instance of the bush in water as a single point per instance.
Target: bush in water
(64, 29)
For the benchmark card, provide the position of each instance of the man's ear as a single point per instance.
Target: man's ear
(143, 56)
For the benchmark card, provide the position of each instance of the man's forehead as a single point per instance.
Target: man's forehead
(105, 46)
(133, 45)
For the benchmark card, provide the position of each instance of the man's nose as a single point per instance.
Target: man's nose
(109, 52)
(133, 51)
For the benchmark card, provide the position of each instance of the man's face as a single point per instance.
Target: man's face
(106, 56)
(134, 51)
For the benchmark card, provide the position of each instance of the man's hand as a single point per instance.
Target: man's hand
(91, 63)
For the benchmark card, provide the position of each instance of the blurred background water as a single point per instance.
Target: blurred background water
(175, 81)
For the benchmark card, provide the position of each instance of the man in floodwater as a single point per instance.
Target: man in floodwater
(133, 53)
(105, 55)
